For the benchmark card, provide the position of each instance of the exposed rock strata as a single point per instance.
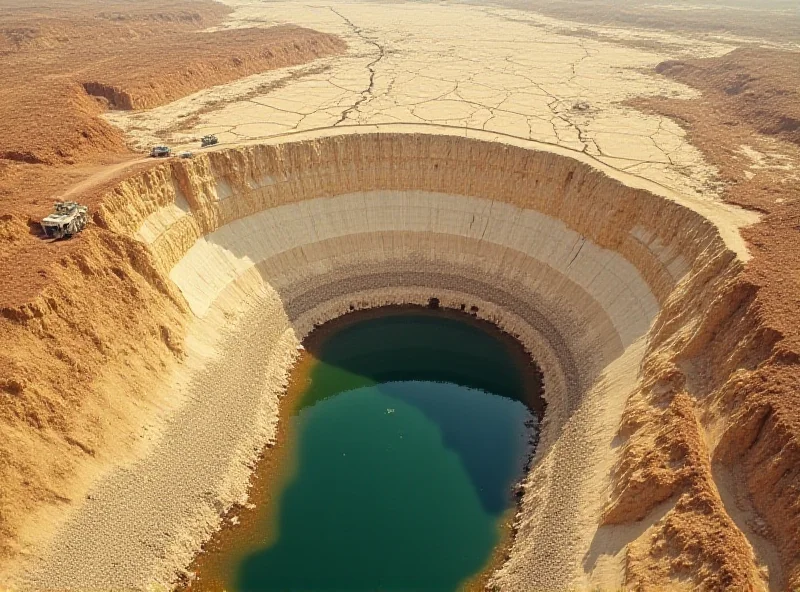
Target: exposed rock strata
(577, 265)
(202, 61)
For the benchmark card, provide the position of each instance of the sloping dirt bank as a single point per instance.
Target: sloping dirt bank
(739, 384)
(610, 288)
(64, 67)
(78, 369)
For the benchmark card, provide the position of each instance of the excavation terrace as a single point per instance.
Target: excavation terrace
(592, 271)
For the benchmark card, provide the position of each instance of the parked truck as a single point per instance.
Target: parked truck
(68, 219)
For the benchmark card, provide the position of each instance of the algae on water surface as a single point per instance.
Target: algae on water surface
(404, 449)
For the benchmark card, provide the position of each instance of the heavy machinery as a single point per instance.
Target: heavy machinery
(160, 151)
(208, 141)
(68, 219)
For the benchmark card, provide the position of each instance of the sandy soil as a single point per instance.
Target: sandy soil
(499, 70)
(700, 486)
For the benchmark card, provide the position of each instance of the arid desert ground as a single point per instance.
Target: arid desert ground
(614, 184)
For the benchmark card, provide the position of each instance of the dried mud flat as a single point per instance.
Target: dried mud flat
(503, 71)
(670, 456)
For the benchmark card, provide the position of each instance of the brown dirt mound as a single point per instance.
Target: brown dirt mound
(724, 397)
(57, 126)
(200, 61)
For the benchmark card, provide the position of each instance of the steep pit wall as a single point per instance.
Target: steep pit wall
(80, 383)
(266, 241)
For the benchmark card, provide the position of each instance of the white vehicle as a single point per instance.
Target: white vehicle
(68, 219)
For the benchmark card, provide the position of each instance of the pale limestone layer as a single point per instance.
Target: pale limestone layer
(551, 256)
(592, 199)
(573, 263)
(162, 219)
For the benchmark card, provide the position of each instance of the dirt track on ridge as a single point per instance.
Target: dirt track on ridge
(91, 309)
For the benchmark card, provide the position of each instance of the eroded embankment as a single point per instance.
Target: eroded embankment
(64, 66)
(613, 290)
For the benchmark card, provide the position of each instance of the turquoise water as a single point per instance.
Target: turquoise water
(407, 444)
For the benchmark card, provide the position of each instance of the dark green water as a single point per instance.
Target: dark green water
(407, 444)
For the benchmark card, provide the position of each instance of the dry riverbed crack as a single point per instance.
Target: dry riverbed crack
(501, 71)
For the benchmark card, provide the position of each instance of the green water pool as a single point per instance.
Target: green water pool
(406, 445)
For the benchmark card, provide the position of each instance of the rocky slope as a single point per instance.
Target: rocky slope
(744, 393)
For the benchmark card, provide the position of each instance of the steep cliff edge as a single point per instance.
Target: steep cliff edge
(585, 271)
(65, 65)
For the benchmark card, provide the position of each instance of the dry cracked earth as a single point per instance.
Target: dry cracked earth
(505, 71)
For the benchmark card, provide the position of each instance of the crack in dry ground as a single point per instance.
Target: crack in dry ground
(366, 94)
(501, 71)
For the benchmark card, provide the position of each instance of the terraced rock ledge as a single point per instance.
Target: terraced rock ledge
(620, 290)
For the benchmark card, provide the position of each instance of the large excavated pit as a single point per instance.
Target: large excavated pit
(264, 242)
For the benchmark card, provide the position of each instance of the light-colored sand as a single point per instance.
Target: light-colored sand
(499, 70)
(266, 241)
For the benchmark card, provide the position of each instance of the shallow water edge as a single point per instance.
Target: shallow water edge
(244, 526)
